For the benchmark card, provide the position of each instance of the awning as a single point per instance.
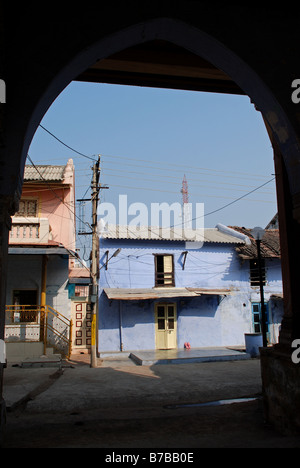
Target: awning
(39, 248)
(79, 275)
(126, 294)
(38, 251)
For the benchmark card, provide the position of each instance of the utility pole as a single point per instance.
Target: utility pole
(258, 234)
(94, 267)
(262, 299)
(94, 264)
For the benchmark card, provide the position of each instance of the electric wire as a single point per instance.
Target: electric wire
(60, 141)
(205, 215)
(52, 190)
(184, 167)
(159, 163)
(61, 200)
(167, 176)
(142, 160)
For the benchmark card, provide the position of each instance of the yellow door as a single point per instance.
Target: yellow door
(165, 326)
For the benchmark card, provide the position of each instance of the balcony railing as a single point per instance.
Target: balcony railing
(38, 323)
(29, 230)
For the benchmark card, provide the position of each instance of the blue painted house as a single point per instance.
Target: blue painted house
(158, 292)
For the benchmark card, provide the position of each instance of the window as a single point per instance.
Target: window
(256, 317)
(81, 290)
(24, 307)
(27, 208)
(254, 272)
(164, 270)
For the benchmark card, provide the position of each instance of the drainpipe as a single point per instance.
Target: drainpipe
(120, 325)
(44, 281)
(232, 232)
(43, 301)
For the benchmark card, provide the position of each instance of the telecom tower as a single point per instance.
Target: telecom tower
(186, 213)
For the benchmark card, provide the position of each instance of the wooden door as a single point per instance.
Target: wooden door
(82, 322)
(165, 326)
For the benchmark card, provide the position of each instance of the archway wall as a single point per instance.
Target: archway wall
(45, 50)
(246, 43)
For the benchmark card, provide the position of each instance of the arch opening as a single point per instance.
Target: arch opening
(242, 78)
(120, 58)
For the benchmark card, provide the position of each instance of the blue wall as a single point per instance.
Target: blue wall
(208, 320)
(214, 265)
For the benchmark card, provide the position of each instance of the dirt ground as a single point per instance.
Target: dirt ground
(234, 426)
(131, 407)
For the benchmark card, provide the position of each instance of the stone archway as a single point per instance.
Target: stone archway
(284, 139)
(199, 43)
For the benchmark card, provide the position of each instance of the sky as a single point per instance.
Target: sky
(150, 138)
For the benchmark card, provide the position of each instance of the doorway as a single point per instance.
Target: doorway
(165, 326)
(81, 332)
(25, 296)
(257, 318)
(25, 306)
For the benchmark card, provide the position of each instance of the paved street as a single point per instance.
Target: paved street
(120, 404)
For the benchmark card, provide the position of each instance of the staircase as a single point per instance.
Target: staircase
(52, 335)
(57, 331)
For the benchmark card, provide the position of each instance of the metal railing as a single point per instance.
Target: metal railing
(19, 314)
(54, 328)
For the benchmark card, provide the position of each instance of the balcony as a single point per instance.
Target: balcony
(30, 231)
(37, 323)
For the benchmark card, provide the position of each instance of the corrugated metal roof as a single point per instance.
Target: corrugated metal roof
(44, 172)
(214, 235)
(169, 234)
(128, 294)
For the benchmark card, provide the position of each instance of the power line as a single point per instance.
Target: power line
(67, 146)
(59, 198)
(183, 166)
(170, 182)
(222, 172)
(52, 190)
(168, 170)
(141, 160)
(194, 194)
(234, 201)
(222, 207)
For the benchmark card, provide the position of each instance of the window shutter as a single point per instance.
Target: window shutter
(168, 264)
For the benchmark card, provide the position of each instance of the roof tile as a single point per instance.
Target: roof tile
(44, 172)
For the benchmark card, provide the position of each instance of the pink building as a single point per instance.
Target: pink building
(41, 255)
(47, 207)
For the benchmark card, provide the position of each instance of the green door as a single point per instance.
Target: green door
(256, 318)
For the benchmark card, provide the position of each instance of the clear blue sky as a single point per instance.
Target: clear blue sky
(149, 138)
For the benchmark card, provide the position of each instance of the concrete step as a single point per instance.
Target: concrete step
(52, 360)
(184, 356)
